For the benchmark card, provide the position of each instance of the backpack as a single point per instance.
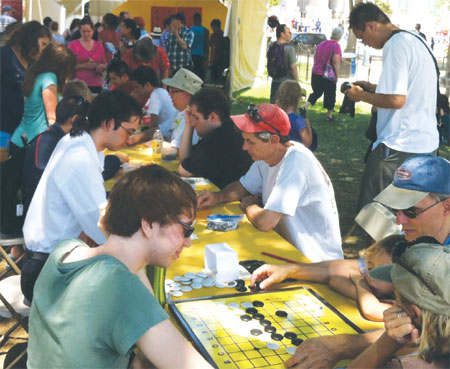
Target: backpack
(276, 62)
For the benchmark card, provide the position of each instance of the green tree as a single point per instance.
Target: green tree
(384, 6)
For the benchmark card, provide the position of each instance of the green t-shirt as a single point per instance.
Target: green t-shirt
(89, 313)
(289, 58)
(34, 119)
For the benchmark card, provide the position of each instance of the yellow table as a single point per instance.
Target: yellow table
(248, 242)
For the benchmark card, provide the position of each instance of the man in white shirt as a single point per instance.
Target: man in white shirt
(7, 17)
(70, 194)
(158, 112)
(285, 189)
(405, 97)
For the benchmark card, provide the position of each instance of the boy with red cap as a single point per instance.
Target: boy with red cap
(286, 189)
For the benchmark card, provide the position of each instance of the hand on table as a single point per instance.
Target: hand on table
(317, 352)
(400, 327)
(269, 274)
(206, 199)
(248, 200)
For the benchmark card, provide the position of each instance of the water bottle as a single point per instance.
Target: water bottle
(157, 277)
(157, 144)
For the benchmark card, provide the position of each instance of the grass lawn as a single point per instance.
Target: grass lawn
(341, 150)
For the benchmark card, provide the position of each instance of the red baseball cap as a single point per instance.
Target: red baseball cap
(263, 118)
(139, 21)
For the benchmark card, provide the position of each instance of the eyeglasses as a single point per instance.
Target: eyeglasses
(187, 228)
(412, 213)
(174, 91)
(397, 252)
(253, 113)
(128, 130)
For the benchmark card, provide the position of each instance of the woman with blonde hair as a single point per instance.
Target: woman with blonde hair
(44, 79)
(420, 319)
(288, 98)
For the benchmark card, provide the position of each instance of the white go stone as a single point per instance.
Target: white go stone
(169, 281)
(247, 304)
(176, 293)
(189, 275)
(234, 305)
(232, 284)
(177, 278)
(202, 275)
(186, 282)
(196, 286)
(197, 280)
(290, 350)
(220, 284)
(186, 289)
(273, 345)
(208, 282)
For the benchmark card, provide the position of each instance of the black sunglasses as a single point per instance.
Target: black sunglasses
(397, 252)
(187, 228)
(253, 113)
(412, 213)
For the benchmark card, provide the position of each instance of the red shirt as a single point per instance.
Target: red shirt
(109, 36)
(159, 63)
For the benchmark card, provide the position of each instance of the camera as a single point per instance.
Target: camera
(348, 106)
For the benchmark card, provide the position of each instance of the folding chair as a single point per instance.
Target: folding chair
(6, 243)
(377, 221)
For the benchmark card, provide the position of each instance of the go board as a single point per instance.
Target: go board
(258, 330)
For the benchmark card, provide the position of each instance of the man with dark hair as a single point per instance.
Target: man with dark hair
(119, 75)
(159, 112)
(288, 60)
(179, 44)
(165, 34)
(405, 97)
(219, 53)
(421, 34)
(92, 306)
(199, 46)
(70, 194)
(218, 156)
(285, 189)
(6, 18)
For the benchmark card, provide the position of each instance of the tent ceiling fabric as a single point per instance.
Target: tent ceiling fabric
(97, 7)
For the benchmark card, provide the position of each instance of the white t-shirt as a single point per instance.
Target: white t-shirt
(408, 69)
(300, 189)
(160, 104)
(69, 196)
(178, 128)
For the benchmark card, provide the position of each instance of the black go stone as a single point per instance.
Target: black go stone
(258, 303)
(270, 329)
(290, 335)
(255, 287)
(297, 341)
(276, 336)
(251, 311)
(258, 316)
(241, 289)
(240, 282)
(256, 332)
(246, 318)
(281, 313)
(265, 322)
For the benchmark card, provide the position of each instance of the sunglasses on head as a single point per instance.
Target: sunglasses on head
(253, 113)
(187, 228)
(399, 248)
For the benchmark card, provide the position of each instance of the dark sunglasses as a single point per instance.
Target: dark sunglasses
(253, 113)
(187, 228)
(397, 252)
(412, 213)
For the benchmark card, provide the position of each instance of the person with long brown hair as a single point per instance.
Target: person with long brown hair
(23, 46)
(44, 79)
(91, 61)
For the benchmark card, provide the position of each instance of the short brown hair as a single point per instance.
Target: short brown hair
(151, 193)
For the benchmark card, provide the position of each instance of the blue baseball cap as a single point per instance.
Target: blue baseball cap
(8, 8)
(414, 180)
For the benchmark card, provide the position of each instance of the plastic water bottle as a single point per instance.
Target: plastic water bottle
(157, 144)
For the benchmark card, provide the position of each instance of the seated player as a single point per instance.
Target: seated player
(285, 189)
(218, 156)
(349, 277)
(93, 305)
(119, 75)
(420, 320)
(158, 110)
(70, 193)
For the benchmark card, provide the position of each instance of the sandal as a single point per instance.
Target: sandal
(332, 119)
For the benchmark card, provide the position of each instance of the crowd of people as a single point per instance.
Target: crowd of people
(57, 116)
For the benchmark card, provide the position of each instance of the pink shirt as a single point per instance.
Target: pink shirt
(323, 53)
(96, 54)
